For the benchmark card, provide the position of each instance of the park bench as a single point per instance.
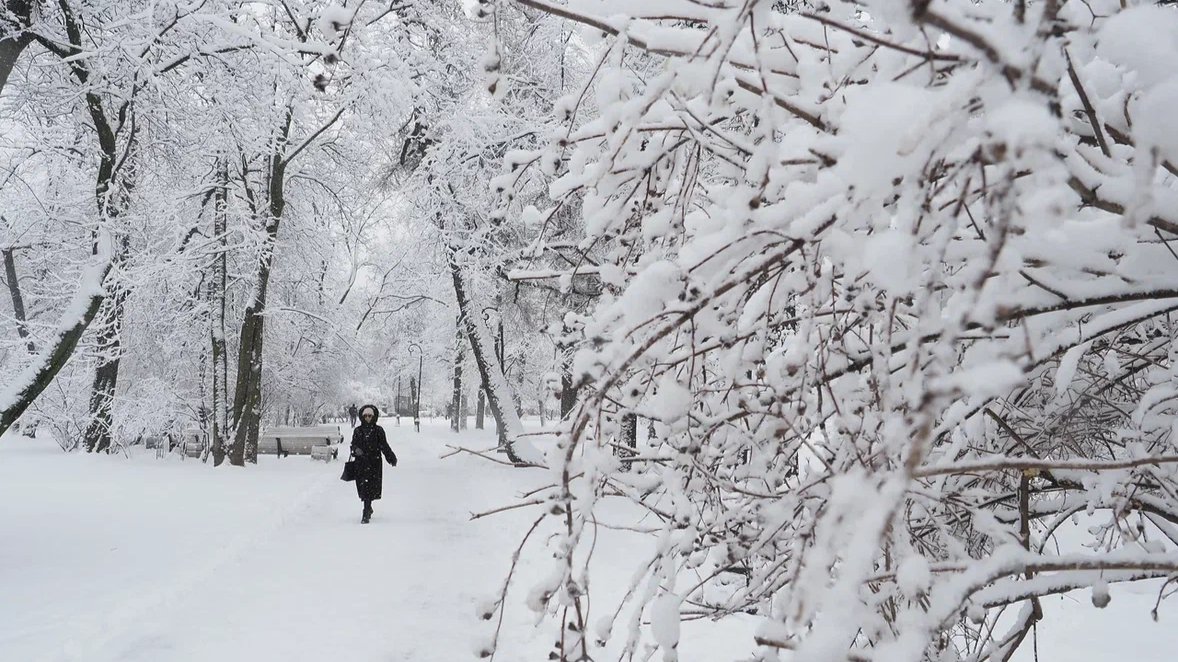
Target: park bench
(287, 440)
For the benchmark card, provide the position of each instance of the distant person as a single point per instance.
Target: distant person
(368, 445)
(352, 415)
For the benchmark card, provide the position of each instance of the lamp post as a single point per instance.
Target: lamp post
(417, 404)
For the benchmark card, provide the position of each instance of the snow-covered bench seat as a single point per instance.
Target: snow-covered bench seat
(325, 453)
(287, 440)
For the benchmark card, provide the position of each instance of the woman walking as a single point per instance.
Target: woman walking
(368, 445)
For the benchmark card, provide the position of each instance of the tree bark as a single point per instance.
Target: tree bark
(629, 437)
(568, 393)
(18, 302)
(247, 395)
(111, 199)
(111, 203)
(480, 409)
(220, 413)
(106, 376)
(456, 392)
(36, 377)
(499, 396)
(13, 35)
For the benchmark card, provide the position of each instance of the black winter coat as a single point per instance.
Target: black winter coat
(368, 444)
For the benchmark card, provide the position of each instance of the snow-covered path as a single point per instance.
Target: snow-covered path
(149, 560)
(320, 583)
(110, 559)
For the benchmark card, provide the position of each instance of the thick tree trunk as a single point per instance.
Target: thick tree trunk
(13, 38)
(499, 396)
(18, 302)
(247, 393)
(106, 376)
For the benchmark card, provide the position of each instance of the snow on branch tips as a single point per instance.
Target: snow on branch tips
(902, 282)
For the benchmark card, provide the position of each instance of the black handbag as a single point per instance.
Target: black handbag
(349, 471)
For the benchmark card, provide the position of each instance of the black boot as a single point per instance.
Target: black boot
(367, 512)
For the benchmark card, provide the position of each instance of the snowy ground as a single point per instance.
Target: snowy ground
(141, 559)
(107, 558)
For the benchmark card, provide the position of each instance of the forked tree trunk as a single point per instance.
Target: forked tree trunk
(247, 394)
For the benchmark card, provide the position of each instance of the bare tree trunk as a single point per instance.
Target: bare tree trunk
(247, 393)
(18, 302)
(480, 409)
(456, 393)
(220, 360)
(629, 437)
(568, 394)
(203, 411)
(482, 346)
(106, 376)
(18, 311)
(14, 20)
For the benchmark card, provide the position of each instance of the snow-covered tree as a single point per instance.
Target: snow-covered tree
(895, 281)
